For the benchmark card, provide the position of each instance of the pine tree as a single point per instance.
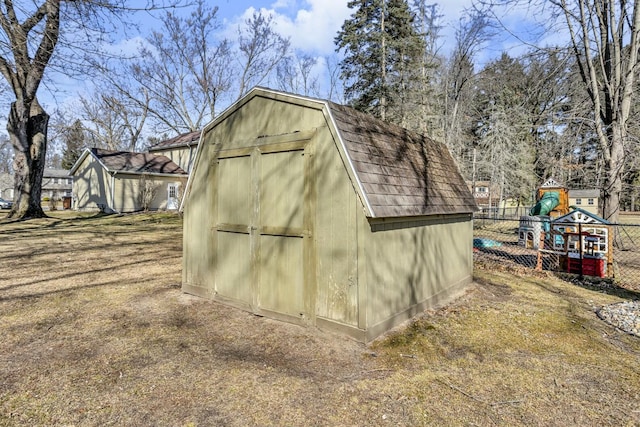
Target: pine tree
(382, 56)
(74, 144)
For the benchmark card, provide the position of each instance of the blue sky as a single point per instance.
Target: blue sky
(311, 26)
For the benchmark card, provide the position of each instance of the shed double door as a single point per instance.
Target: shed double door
(261, 229)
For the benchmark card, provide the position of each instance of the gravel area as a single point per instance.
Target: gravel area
(623, 315)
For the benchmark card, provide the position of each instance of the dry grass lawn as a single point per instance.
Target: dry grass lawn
(95, 331)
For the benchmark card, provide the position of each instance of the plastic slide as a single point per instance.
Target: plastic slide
(546, 204)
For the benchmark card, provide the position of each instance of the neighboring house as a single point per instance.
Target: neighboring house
(311, 212)
(485, 194)
(121, 181)
(181, 149)
(587, 200)
(56, 184)
(6, 186)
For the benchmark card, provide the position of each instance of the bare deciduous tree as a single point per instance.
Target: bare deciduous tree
(295, 74)
(261, 49)
(24, 70)
(6, 155)
(183, 73)
(473, 31)
(31, 32)
(604, 36)
(114, 122)
(147, 191)
(177, 79)
(334, 90)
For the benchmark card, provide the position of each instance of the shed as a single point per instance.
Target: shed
(122, 181)
(304, 210)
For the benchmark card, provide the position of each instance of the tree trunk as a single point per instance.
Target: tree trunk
(383, 71)
(613, 177)
(27, 127)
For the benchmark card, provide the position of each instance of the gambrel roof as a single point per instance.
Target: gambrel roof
(397, 172)
(130, 162)
(402, 173)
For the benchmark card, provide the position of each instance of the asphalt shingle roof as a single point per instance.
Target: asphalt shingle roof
(402, 172)
(129, 162)
(189, 138)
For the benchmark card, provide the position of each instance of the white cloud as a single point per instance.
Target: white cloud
(312, 25)
(280, 4)
(316, 26)
(126, 47)
(312, 28)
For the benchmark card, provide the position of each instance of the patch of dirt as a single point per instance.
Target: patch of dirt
(96, 331)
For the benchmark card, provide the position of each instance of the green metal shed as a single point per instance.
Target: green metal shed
(307, 211)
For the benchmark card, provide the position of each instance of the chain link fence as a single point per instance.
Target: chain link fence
(608, 252)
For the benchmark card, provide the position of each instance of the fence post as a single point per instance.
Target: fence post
(580, 244)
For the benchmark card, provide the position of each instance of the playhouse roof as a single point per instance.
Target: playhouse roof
(130, 162)
(398, 173)
(551, 183)
(578, 215)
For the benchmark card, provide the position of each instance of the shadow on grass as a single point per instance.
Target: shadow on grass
(34, 295)
(603, 285)
(110, 268)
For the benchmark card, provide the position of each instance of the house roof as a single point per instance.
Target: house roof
(183, 140)
(55, 173)
(587, 193)
(130, 162)
(398, 172)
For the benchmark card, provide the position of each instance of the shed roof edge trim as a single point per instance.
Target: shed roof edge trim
(191, 174)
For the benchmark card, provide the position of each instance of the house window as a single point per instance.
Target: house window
(172, 191)
(55, 181)
(482, 189)
(69, 181)
(578, 201)
(590, 202)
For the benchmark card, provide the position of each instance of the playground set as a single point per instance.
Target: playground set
(577, 240)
